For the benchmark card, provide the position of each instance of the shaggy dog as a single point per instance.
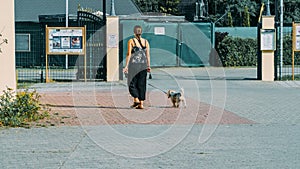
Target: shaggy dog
(176, 97)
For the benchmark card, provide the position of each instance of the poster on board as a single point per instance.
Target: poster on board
(297, 43)
(65, 40)
(268, 39)
(296, 37)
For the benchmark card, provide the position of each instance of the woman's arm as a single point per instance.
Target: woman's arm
(128, 55)
(148, 55)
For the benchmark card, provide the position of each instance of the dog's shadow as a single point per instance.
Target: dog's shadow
(165, 107)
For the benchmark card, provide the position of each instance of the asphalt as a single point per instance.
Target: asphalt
(231, 121)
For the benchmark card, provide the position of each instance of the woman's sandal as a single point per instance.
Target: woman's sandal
(139, 106)
(135, 104)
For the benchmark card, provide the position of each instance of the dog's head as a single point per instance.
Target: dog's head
(169, 93)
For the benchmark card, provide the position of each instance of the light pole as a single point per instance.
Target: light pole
(268, 8)
(112, 8)
(281, 38)
(67, 25)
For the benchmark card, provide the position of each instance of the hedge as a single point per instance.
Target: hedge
(235, 51)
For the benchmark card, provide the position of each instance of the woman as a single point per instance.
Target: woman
(137, 66)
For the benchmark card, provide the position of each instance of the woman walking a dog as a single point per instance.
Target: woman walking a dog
(137, 66)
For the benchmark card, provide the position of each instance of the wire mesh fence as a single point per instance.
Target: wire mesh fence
(31, 60)
(284, 66)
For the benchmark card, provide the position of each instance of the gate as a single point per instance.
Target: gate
(95, 46)
(284, 64)
(172, 43)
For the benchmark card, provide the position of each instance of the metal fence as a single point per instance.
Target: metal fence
(30, 65)
(30, 51)
(284, 63)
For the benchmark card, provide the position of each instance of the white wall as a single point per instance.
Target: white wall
(7, 57)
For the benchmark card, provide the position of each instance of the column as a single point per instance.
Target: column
(7, 57)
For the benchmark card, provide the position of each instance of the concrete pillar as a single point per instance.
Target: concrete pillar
(7, 57)
(267, 60)
(112, 48)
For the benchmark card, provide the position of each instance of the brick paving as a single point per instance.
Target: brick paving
(113, 107)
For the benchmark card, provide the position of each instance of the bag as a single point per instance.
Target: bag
(138, 54)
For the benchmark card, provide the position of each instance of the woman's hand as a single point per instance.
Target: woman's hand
(148, 69)
(125, 69)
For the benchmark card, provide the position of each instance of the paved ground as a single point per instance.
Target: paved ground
(231, 121)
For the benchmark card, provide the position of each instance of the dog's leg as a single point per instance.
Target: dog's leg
(174, 104)
(183, 102)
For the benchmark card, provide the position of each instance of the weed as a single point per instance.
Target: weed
(19, 109)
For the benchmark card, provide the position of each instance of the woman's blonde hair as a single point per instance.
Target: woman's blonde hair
(137, 27)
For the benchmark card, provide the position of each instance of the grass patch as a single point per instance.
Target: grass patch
(289, 77)
(24, 85)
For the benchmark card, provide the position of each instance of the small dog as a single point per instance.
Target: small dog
(176, 97)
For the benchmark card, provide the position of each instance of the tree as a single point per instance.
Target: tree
(169, 6)
(246, 19)
(291, 11)
(237, 8)
(156, 6)
(217, 8)
(229, 19)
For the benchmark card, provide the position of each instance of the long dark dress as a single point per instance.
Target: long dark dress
(137, 72)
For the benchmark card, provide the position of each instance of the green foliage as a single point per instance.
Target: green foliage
(169, 6)
(217, 8)
(234, 51)
(289, 77)
(162, 6)
(237, 51)
(291, 11)
(17, 109)
(214, 59)
(236, 7)
(287, 52)
(246, 20)
(229, 20)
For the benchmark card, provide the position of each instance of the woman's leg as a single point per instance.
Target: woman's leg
(141, 85)
(132, 82)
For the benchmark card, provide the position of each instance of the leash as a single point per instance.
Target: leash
(157, 88)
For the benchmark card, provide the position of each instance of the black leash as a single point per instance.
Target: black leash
(157, 88)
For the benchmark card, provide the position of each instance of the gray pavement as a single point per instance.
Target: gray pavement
(271, 142)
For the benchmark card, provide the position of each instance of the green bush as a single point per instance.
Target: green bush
(287, 52)
(17, 109)
(234, 51)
